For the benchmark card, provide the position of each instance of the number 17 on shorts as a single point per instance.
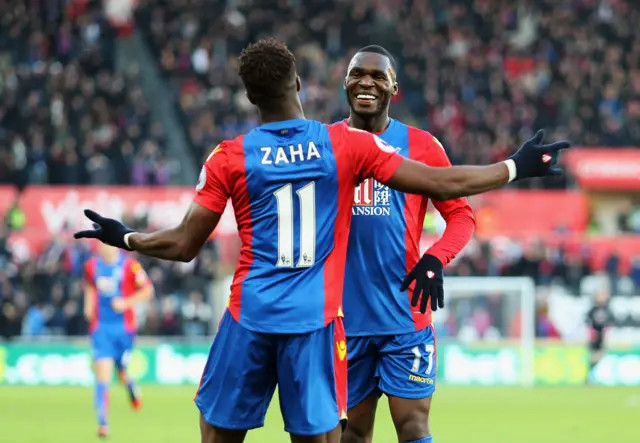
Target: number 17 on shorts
(423, 367)
(408, 365)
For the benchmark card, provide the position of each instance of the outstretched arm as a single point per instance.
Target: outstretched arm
(181, 243)
(533, 159)
(447, 183)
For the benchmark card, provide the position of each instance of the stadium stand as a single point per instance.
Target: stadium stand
(478, 74)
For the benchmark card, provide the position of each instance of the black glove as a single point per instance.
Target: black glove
(429, 283)
(107, 230)
(534, 159)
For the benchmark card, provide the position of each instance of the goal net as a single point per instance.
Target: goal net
(486, 332)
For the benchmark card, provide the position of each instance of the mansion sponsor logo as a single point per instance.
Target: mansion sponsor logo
(371, 198)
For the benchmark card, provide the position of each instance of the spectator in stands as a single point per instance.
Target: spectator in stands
(571, 268)
(612, 270)
(75, 323)
(544, 326)
(635, 273)
(35, 320)
(57, 320)
(170, 322)
(5, 253)
(10, 319)
(197, 315)
(15, 218)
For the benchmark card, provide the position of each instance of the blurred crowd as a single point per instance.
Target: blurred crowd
(65, 116)
(45, 296)
(479, 74)
(547, 265)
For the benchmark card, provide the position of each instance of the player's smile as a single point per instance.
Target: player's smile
(366, 94)
(366, 99)
(370, 83)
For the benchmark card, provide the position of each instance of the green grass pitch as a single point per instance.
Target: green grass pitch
(460, 415)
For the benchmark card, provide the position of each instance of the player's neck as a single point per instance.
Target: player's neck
(288, 112)
(374, 123)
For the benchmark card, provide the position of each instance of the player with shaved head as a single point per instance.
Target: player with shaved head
(390, 337)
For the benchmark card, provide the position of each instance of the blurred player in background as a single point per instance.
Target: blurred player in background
(391, 341)
(115, 283)
(598, 318)
(291, 182)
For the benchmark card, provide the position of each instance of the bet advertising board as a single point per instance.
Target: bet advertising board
(182, 363)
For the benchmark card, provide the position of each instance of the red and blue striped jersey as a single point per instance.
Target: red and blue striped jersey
(291, 185)
(122, 278)
(384, 243)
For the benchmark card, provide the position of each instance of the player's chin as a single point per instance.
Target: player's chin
(365, 110)
(361, 108)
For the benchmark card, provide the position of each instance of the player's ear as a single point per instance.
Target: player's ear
(396, 89)
(298, 83)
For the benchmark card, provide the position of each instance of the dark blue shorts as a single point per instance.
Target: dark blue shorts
(401, 365)
(113, 344)
(244, 367)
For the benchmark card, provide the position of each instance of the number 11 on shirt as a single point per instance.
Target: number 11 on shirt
(307, 197)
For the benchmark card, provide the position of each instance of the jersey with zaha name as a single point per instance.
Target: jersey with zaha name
(120, 279)
(384, 243)
(291, 185)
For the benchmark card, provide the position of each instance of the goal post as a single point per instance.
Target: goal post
(487, 323)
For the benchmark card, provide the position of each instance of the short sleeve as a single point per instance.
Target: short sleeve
(434, 153)
(139, 275)
(373, 156)
(89, 276)
(212, 190)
